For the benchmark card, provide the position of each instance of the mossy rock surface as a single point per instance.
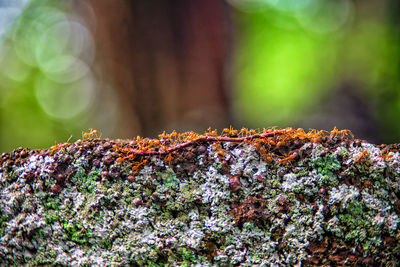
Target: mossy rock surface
(280, 197)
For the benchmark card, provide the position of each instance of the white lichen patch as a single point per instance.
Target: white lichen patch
(219, 225)
(374, 203)
(343, 194)
(35, 163)
(193, 237)
(247, 162)
(392, 222)
(309, 184)
(290, 182)
(214, 189)
(78, 201)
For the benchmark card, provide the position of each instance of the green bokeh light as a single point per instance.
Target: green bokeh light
(292, 57)
(275, 67)
(46, 85)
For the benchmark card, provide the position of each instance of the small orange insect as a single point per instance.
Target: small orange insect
(335, 132)
(211, 133)
(92, 132)
(290, 157)
(232, 132)
(245, 131)
(120, 159)
(272, 142)
(134, 168)
(363, 155)
(281, 142)
(163, 135)
(385, 157)
(59, 146)
(265, 154)
(173, 134)
(316, 139)
(219, 149)
(169, 158)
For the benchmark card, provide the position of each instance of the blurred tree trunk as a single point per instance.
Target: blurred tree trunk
(167, 59)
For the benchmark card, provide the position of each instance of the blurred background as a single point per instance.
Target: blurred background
(136, 67)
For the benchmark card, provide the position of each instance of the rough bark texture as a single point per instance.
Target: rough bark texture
(280, 198)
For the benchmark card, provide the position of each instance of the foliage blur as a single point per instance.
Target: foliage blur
(319, 64)
(47, 89)
(299, 63)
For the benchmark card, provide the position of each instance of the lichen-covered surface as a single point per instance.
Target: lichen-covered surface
(284, 199)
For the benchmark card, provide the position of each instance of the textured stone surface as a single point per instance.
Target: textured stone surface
(283, 200)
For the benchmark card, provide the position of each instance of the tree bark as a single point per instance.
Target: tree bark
(166, 59)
